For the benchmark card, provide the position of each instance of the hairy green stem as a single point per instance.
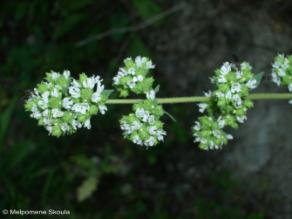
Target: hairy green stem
(194, 99)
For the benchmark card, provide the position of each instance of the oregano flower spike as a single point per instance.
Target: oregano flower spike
(208, 131)
(134, 76)
(227, 106)
(142, 127)
(62, 104)
(282, 71)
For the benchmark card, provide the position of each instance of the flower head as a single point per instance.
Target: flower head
(208, 131)
(282, 71)
(62, 104)
(134, 76)
(231, 95)
(227, 106)
(143, 126)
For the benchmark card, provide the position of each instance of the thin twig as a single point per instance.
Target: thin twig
(132, 28)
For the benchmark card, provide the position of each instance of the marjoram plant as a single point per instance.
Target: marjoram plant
(62, 104)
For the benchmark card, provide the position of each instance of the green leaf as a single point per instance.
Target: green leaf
(107, 93)
(157, 88)
(259, 78)
(86, 189)
(146, 8)
(170, 116)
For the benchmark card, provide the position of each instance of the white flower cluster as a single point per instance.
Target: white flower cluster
(62, 104)
(233, 87)
(282, 71)
(143, 127)
(229, 103)
(209, 133)
(133, 76)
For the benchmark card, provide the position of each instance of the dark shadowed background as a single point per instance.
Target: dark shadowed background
(98, 174)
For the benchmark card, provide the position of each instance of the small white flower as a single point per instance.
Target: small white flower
(197, 126)
(57, 113)
(226, 68)
(229, 136)
(102, 109)
(36, 114)
(64, 127)
(55, 93)
(131, 71)
(237, 100)
(131, 84)
(46, 113)
(222, 79)
(290, 87)
(150, 141)
(241, 119)
(150, 95)
(75, 83)
(228, 95)
(142, 114)
(87, 124)
(75, 124)
(136, 126)
(89, 83)
(202, 107)
(66, 74)
(139, 61)
(49, 129)
(221, 122)
(235, 88)
(74, 91)
(281, 72)
(81, 108)
(251, 84)
(67, 103)
(276, 79)
(96, 97)
(55, 75)
(137, 140)
(238, 74)
(245, 66)
(208, 93)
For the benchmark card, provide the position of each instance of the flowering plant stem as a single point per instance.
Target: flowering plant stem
(193, 99)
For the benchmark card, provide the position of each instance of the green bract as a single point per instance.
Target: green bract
(62, 104)
(134, 76)
(282, 71)
(229, 102)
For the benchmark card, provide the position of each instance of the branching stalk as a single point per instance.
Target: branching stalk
(194, 99)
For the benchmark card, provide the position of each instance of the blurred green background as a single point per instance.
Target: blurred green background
(96, 173)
